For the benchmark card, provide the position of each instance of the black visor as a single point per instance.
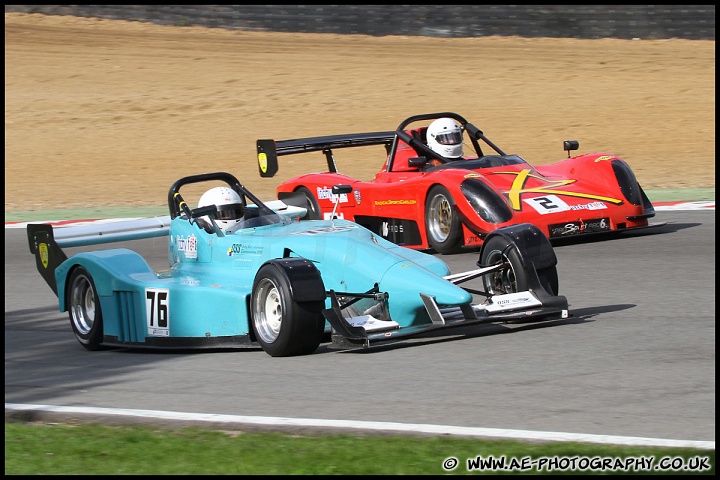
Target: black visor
(229, 212)
(449, 138)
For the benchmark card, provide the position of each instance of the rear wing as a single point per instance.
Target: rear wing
(269, 150)
(46, 243)
(98, 233)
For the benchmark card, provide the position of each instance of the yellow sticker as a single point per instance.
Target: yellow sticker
(262, 160)
(43, 249)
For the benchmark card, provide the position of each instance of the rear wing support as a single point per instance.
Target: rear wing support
(48, 254)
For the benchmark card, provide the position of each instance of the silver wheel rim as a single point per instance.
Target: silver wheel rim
(267, 311)
(82, 304)
(440, 218)
(503, 280)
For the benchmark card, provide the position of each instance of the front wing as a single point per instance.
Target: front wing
(535, 304)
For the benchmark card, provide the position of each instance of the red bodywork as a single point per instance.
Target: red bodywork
(585, 194)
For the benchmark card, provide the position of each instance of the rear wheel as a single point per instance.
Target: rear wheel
(282, 326)
(84, 309)
(442, 224)
(313, 209)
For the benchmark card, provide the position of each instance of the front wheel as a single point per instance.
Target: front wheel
(282, 326)
(442, 224)
(84, 309)
(512, 277)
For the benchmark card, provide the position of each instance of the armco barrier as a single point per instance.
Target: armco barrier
(691, 22)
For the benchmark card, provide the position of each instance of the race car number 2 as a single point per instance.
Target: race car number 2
(157, 312)
(547, 204)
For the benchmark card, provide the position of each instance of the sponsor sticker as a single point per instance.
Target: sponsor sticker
(576, 228)
(326, 193)
(381, 203)
(187, 245)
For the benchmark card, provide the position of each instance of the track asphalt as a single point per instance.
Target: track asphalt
(666, 199)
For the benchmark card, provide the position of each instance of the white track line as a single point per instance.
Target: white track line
(662, 206)
(386, 427)
(705, 205)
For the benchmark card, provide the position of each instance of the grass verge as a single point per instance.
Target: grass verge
(87, 449)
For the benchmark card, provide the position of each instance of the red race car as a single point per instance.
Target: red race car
(429, 194)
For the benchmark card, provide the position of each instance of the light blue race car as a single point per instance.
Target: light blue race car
(280, 283)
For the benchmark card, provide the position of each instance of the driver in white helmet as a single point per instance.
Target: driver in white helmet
(230, 208)
(444, 137)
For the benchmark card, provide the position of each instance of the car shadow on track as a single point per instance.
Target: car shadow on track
(45, 318)
(619, 234)
(578, 317)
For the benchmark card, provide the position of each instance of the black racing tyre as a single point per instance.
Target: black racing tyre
(549, 280)
(282, 326)
(313, 209)
(84, 309)
(513, 277)
(442, 225)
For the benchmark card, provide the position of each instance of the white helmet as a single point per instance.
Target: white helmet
(230, 206)
(444, 136)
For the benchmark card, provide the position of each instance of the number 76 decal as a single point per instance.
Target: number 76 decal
(157, 311)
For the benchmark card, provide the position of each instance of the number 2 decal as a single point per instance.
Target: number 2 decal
(547, 204)
(157, 311)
